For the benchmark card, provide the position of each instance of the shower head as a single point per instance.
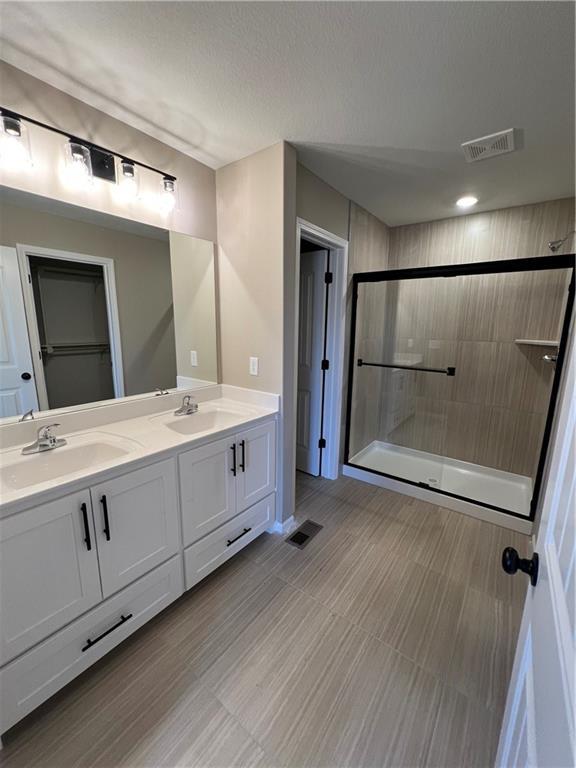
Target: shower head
(555, 245)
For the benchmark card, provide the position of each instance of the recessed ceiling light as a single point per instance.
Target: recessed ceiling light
(466, 202)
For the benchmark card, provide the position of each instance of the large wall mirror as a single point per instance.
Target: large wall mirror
(95, 307)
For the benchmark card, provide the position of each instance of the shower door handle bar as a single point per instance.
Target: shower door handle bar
(450, 371)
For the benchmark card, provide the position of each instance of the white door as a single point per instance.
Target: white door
(17, 385)
(136, 520)
(256, 464)
(207, 488)
(310, 353)
(48, 571)
(539, 722)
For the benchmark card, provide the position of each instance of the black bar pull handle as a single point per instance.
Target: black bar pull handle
(90, 643)
(87, 539)
(449, 371)
(244, 532)
(242, 464)
(106, 529)
(233, 449)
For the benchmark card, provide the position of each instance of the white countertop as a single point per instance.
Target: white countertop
(103, 447)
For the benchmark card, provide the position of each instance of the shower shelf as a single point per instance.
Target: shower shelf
(537, 342)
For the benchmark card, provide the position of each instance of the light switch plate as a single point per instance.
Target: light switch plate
(254, 366)
(193, 357)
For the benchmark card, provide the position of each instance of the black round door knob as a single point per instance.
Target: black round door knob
(512, 563)
(26, 376)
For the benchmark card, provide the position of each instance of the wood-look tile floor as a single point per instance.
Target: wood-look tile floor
(387, 641)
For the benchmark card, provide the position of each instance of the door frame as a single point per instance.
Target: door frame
(24, 252)
(335, 331)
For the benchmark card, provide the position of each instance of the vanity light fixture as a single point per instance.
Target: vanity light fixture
(84, 160)
(14, 144)
(128, 169)
(78, 170)
(127, 180)
(12, 126)
(467, 201)
(168, 196)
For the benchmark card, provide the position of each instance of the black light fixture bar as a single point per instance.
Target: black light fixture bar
(90, 144)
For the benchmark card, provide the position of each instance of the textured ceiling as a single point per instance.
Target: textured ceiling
(377, 97)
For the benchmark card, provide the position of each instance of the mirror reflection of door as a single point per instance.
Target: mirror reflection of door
(72, 318)
(17, 384)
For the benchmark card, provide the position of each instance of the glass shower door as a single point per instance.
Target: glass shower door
(402, 378)
(452, 377)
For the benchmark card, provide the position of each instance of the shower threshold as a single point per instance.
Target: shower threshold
(474, 482)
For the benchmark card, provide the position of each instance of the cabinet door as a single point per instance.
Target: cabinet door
(136, 519)
(256, 464)
(48, 572)
(207, 488)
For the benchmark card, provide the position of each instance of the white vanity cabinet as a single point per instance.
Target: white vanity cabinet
(256, 476)
(207, 488)
(80, 574)
(136, 518)
(48, 571)
(207, 554)
(224, 478)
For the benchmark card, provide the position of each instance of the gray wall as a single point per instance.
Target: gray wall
(194, 297)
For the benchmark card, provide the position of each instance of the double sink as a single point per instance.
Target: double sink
(89, 450)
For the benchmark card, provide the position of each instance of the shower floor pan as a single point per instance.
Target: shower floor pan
(476, 483)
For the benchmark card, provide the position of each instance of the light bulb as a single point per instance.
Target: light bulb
(467, 201)
(78, 167)
(167, 198)
(14, 146)
(127, 187)
(167, 202)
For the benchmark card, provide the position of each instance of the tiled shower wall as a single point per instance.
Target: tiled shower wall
(492, 412)
(369, 251)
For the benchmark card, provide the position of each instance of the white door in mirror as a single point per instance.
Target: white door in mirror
(254, 366)
(17, 388)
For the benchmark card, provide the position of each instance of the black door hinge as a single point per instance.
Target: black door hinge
(328, 277)
(322, 442)
(325, 365)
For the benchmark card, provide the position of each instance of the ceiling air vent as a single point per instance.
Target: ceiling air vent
(489, 146)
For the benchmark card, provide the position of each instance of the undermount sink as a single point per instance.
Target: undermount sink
(210, 419)
(81, 452)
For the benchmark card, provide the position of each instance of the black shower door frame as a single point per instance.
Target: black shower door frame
(533, 264)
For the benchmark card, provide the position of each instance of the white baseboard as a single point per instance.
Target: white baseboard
(283, 527)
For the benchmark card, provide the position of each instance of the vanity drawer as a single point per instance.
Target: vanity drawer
(34, 677)
(213, 550)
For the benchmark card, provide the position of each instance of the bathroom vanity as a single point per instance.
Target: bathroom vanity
(100, 535)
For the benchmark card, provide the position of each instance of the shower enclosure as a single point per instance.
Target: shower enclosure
(453, 376)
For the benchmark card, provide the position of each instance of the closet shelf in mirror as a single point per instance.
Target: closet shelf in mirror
(75, 348)
(537, 342)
